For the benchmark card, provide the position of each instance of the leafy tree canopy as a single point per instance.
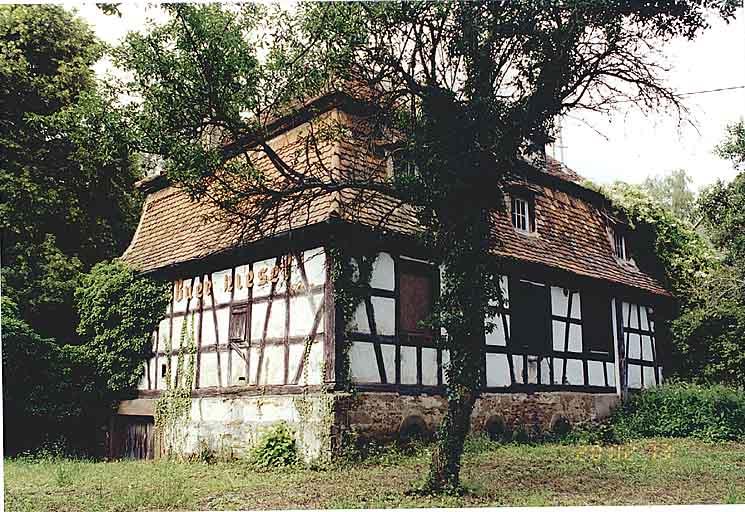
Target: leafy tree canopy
(66, 171)
(673, 191)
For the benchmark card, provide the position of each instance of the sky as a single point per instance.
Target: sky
(628, 145)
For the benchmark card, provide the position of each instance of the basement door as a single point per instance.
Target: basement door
(132, 437)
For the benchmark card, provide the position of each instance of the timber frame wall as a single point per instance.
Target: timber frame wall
(389, 360)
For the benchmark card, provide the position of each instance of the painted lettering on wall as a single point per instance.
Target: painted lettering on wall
(264, 276)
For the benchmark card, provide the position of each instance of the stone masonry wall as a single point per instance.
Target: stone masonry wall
(380, 416)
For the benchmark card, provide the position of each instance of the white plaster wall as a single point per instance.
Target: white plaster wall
(596, 373)
(635, 376)
(517, 365)
(429, 366)
(560, 302)
(497, 370)
(208, 370)
(408, 365)
(363, 364)
(360, 323)
(383, 273)
(389, 360)
(385, 315)
(231, 426)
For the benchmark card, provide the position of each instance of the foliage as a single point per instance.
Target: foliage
(39, 399)
(591, 433)
(63, 393)
(680, 257)
(174, 405)
(471, 88)
(710, 413)
(733, 146)
(66, 173)
(275, 448)
(708, 332)
(673, 192)
(119, 310)
(723, 206)
(710, 341)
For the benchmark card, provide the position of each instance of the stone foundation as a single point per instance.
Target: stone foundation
(228, 426)
(381, 416)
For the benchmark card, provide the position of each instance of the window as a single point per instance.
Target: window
(238, 322)
(620, 249)
(523, 215)
(597, 327)
(416, 295)
(530, 316)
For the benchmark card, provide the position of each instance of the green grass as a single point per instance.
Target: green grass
(658, 471)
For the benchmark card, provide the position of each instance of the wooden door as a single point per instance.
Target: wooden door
(132, 437)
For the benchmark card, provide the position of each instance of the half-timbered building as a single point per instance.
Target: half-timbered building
(576, 331)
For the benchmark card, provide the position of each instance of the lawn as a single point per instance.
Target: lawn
(642, 472)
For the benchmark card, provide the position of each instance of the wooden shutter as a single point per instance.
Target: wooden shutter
(530, 316)
(416, 294)
(238, 318)
(597, 326)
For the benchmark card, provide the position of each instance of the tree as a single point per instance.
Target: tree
(66, 175)
(471, 88)
(66, 170)
(62, 394)
(672, 190)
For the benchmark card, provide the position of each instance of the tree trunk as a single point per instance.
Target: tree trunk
(444, 473)
(465, 299)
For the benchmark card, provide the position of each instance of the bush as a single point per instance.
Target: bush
(275, 448)
(711, 413)
(591, 432)
(59, 395)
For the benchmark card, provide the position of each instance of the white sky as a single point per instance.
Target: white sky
(630, 145)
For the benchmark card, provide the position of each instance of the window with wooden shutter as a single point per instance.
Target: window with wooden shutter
(597, 326)
(416, 296)
(238, 321)
(530, 316)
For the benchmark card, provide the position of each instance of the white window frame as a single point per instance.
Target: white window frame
(619, 245)
(520, 213)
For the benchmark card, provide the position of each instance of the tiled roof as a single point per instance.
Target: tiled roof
(571, 232)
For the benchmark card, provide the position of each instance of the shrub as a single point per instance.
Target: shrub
(591, 432)
(712, 413)
(275, 448)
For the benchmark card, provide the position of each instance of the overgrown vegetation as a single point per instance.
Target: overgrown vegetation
(275, 448)
(641, 472)
(174, 404)
(711, 413)
(68, 202)
(702, 268)
(62, 394)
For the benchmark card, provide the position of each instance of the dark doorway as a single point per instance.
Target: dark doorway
(132, 437)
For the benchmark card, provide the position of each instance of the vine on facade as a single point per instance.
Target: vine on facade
(350, 275)
(173, 407)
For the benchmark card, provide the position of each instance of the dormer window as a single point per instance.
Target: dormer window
(620, 249)
(523, 214)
